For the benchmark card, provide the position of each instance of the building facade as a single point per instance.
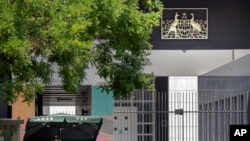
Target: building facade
(224, 99)
(216, 53)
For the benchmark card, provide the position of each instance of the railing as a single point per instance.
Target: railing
(178, 116)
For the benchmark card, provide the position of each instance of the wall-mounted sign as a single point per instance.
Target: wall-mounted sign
(184, 23)
(203, 24)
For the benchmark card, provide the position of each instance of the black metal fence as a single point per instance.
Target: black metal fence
(179, 115)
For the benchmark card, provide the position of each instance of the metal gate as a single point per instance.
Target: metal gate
(179, 115)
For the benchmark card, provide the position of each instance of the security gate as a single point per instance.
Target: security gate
(218, 110)
(179, 115)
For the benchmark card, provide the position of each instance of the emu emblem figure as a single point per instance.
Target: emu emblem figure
(196, 26)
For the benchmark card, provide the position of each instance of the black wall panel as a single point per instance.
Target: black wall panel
(228, 26)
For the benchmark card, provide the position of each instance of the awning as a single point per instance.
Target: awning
(66, 127)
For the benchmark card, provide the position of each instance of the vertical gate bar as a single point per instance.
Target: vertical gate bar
(122, 123)
(204, 115)
(245, 105)
(185, 116)
(154, 116)
(183, 127)
(203, 112)
(212, 116)
(224, 115)
(166, 116)
(195, 104)
(173, 133)
(158, 118)
(142, 114)
(219, 118)
(163, 114)
(200, 115)
(182, 116)
(175, 118)
(161, 129)
(179, 102)
(228, 114)
(189, 116)
(174, 97)
(170, 120)
(245, 97)
(240, 108)
(124, 119)
(237, 110)
(243, 108)
(192, 116)
(195, 116)
(171, 129)
(207, 117)
(246, 108)
(231, 108)
(180, 119)
(132, 112)
(161, 120)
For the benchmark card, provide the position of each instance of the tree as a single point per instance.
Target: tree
(111, 35)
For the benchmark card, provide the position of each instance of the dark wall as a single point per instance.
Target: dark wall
(4, 110)
(161, 85)
(228, 26)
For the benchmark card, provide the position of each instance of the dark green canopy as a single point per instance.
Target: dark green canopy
(66, 127)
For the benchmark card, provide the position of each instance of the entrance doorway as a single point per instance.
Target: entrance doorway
(55, 100)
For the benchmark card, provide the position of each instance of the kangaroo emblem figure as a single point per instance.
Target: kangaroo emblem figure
(173, 25)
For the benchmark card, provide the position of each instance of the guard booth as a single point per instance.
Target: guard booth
(64, 126)
(10, 129)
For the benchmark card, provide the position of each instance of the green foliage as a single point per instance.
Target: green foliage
(123, 53)
(36, 34)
